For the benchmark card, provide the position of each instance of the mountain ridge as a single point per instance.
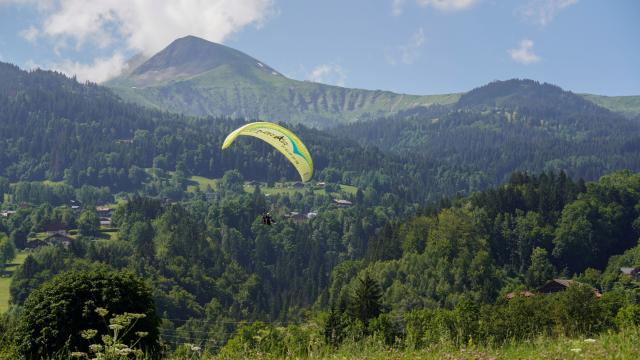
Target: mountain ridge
(197, 77)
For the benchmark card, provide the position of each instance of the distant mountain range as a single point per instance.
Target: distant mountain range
(197, 77)
(511, 125)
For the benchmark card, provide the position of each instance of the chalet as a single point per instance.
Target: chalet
(321, 184)
(311, 215)
(36, 243)
(55, 228)
(105, 222)
(59, 239)
(342, 203)
(7, 213)
(104, 211)
(557, 285)
(633, 272)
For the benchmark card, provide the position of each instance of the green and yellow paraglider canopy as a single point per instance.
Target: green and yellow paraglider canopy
(280, 138)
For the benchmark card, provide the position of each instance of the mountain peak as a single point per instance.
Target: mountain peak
(526, 93)
(189, 56)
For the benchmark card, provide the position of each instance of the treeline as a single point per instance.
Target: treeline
(516, 236)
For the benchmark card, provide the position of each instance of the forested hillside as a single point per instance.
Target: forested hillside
(512, 125)
(56, 129)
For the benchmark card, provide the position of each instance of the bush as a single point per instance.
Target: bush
(55, 314)
(386, 328)
(628, 316)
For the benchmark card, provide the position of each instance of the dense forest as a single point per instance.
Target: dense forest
(514, 125)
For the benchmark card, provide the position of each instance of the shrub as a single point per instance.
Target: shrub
(55, 314)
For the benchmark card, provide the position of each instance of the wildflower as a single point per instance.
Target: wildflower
(94, 348)
(116, 327)
(589, 340)
(88, 334)
(576, 350)
(195, 348)
(102, 311)
(78, 354)
(141, 334)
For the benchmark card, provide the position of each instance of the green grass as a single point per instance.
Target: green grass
(629, 105)
(200, 182)
(618, 345)
(5, 282)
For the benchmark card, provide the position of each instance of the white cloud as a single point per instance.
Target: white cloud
(146, 26)
(31, 65)
(150, 25)
(397, 7)
(542, 12)
(100, 70)
(409, 52)
(332, 74)
(523, 54)
(447, 5)
(30, 34)
(442, 5)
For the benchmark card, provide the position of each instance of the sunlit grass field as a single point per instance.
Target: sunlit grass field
(5, 281)
(201, 183)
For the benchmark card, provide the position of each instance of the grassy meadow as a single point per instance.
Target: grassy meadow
(5, 280)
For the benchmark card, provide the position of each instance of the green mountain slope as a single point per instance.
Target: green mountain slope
(627, 105)
(197, 77)
(512, 125)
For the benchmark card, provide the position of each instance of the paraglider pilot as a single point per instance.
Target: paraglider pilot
(266, 218)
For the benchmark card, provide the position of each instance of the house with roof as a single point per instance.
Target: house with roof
(558, 285)
(342, 202)
(55, 228)
(104, 211)
(633, 272)
(59, 239)
(35, 243)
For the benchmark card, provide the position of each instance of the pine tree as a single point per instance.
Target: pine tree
(366, 300)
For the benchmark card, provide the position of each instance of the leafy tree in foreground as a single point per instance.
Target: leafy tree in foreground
(56, 313)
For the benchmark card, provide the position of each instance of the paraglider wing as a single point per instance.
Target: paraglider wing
(280, 138)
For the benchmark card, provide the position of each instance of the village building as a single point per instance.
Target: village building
(557, 285)
(55, 228)
(104, 211)
(35, 243)
(7, 213)
(633, 272)
(59, 239)
(342, 203)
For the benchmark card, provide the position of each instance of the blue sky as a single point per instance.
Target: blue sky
(409, 46)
